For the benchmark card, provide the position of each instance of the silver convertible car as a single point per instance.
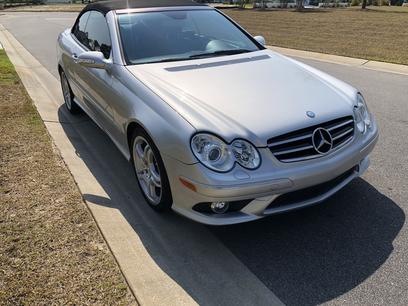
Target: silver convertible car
(216, 126)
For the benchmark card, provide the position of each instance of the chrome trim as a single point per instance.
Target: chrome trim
(340, 125)
(290, 140)
(293, 150)
(289, 147)
(292, 160)
(343, 134)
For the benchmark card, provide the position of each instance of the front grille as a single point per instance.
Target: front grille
(298, 145)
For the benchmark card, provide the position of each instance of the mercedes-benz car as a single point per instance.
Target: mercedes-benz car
(216, 126)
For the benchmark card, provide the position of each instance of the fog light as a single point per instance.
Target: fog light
(219, 207)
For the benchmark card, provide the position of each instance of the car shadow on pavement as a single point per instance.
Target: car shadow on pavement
(313, 255)
(305, 257)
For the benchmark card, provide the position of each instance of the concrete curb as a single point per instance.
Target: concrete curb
(166, 260)
(343, 60)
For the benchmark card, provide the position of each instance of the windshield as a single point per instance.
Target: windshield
(152, 37)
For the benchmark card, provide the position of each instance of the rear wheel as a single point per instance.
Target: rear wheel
(68, 95)
(150, 172)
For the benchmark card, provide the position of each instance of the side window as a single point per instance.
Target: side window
(79, 29)
(98, 34)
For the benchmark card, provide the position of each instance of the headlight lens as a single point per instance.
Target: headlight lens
(361, 114)
(212, 152)
(219, 156)
(246, 154)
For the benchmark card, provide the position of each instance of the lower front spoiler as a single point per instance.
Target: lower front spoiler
(280, 203)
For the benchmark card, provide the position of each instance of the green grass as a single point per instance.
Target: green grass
(7, 72)
(379, 33)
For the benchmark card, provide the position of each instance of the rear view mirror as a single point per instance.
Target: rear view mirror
(92, 59)
(261, 40)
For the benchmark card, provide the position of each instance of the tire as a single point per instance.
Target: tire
(70, 104)
(150, 172)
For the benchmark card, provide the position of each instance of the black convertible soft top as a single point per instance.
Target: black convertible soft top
(106, 6)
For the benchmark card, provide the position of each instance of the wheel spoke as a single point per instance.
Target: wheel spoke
(146, 154)
(147, 171)
(140, 151)
(155, 177)
(152, 190)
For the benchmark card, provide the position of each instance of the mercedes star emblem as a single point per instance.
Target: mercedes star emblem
(322, 140)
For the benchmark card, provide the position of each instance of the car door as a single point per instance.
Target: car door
(76, 45)
(95, 84)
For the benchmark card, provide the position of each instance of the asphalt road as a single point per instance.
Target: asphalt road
(353, 248)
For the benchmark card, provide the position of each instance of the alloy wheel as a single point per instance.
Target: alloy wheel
(147, 170)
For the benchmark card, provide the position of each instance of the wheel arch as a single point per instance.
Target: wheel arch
(130, 128)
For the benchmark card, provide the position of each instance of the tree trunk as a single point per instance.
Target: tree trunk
(364, 4)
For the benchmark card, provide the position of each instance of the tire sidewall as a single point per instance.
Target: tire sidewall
(74, 109)
(166, 200)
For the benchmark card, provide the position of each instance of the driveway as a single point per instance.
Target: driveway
(351, 249)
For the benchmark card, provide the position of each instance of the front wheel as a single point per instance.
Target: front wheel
(150, 172)
(70, 104)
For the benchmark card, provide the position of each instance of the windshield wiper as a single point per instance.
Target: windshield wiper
(220, 53)
(201, 55)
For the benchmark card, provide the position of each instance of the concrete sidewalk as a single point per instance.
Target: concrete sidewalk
(343, 60)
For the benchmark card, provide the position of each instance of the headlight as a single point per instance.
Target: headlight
(212, 152)
(246, 154)
(219, 156)
(361, 114)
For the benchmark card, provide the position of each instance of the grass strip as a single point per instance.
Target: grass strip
(379, 33)
(51, 251)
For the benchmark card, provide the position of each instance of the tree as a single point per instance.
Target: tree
(242, 3)
(364, 4)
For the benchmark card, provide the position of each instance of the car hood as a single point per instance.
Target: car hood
(254, 96)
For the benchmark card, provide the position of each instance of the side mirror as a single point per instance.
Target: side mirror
(92, 59)
(261, 40)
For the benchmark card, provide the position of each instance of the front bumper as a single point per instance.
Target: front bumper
(262, 187)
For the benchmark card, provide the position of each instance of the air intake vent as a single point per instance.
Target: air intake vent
(299, 145)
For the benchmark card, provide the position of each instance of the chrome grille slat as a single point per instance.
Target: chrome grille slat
(298, 145)
(343, 134)
(291, 140)
(344, 142)
(340, 125)
(294, 150)
(291, 160)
